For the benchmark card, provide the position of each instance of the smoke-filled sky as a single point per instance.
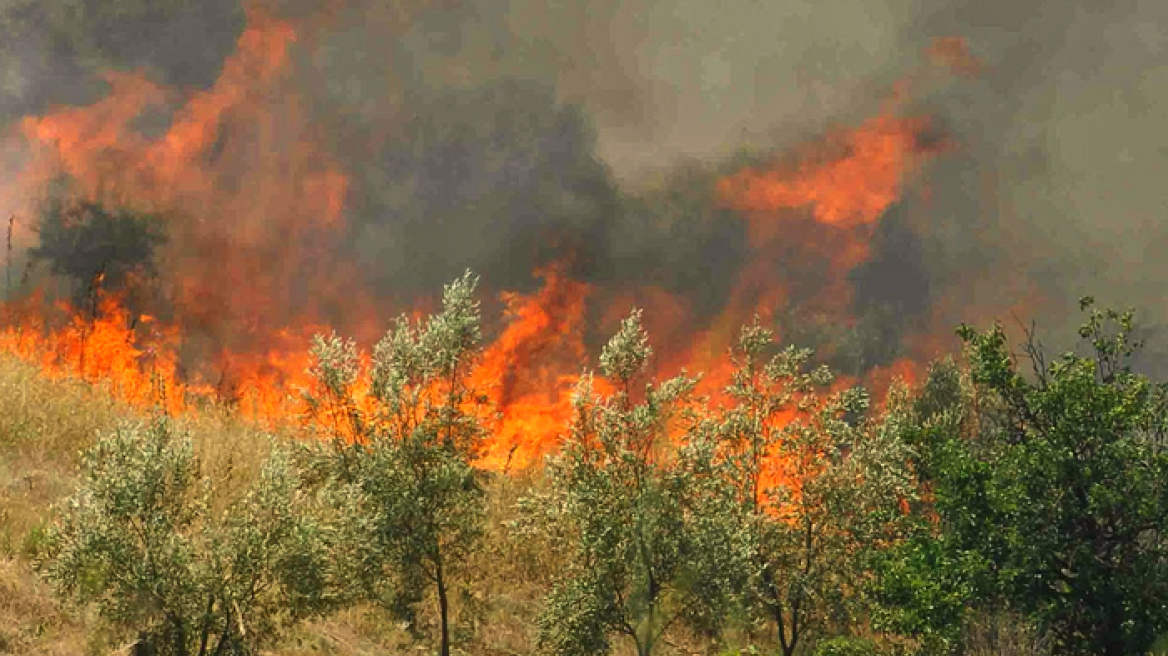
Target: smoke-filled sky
(467, 127)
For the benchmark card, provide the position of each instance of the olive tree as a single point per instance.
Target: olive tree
(409, 446)
(811, 488)
(624, 499)
(141, 538)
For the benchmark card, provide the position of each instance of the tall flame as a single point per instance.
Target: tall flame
(255, 213)
(531, 369)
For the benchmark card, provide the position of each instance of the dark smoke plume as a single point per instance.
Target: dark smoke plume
(501, 135)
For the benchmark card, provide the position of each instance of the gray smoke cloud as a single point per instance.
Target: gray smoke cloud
(53, 52)
(503, 134)
(1064, 140)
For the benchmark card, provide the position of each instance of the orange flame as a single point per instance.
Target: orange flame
(134, 356)
(531, 369)
(255, 210)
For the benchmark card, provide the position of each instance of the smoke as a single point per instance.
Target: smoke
(499, 178)
(53, 52)
(503, 135)
(1053, 191)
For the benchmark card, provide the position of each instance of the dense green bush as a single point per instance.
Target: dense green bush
(1050, 494)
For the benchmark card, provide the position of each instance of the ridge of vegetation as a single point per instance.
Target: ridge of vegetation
(993, 509)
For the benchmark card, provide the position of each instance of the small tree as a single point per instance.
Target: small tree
(409, 447)
(82, 239)
(812, 490)
(625, 501)
(1075, 478)
(927, 584)
(139, 539)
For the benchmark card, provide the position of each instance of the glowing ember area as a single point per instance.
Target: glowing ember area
(254, 210)
(134, 356)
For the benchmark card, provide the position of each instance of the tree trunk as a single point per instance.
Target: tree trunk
(180, 636)
(645, 643)
(443, 608)
(788, 647)
(144, 646)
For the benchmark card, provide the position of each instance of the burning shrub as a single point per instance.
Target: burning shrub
(805, 488)
(140, 537)
(82, 239)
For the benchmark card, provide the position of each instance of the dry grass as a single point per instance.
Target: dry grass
(31, 619)
(45, 424)
(50, 418)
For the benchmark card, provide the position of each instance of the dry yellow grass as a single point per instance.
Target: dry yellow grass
(31, 619)
(45, 425)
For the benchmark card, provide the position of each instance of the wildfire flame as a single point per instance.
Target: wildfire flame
(134, 356)
(254, 209)
(531, 369)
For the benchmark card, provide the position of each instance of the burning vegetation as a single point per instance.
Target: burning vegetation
(257, 230)
(199, 257)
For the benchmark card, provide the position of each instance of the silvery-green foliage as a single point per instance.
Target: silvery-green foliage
(128, 537)
(337, 364)
(139, 538)
(626, 503)
(420, 375)
(279, 548)
(411, 452)
(804, 487)
(336, 367)
(627, 352)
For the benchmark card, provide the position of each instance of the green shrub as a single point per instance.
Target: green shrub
(809, 489)
(625, 498)
(146, 538)
(410, 454)
(1050, 499)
